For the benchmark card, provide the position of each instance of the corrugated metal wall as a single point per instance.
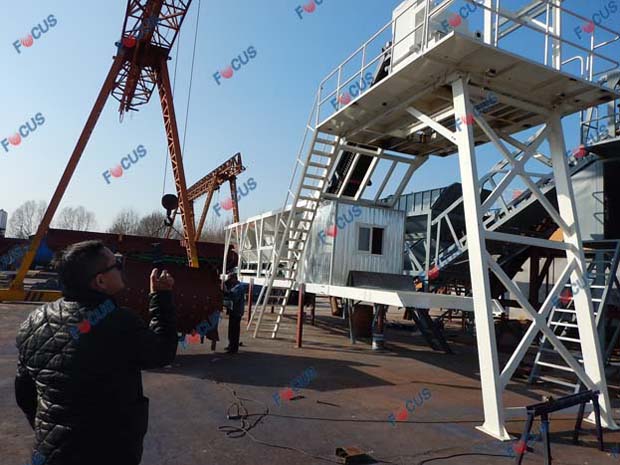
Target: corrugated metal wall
(589, 190)
(333, 242)
(318, 251)
(347, 257)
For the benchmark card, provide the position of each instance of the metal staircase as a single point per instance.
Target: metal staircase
(602, 259)
(294, 226)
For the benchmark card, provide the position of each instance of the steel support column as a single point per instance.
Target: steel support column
(483, 307)
(205, 210)
(590, 346)
(233, 196)
(174, 148)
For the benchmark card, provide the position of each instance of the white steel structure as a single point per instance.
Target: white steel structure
(421, 103)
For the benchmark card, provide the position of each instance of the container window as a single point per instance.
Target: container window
(363, 241)
(377, 241)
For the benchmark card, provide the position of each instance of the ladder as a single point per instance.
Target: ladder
(602, 264)
(294, 226)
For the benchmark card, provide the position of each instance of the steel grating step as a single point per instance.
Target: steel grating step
(578, 356)
(561, 382)
(555, 366)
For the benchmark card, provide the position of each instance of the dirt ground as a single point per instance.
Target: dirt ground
(347, 402)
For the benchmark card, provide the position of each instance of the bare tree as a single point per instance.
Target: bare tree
(76, 219)
(214, 231)
(152, 225)
(126, 222)
(26, 218)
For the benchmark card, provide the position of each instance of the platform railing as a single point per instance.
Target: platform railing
(601, 128)
(382, 44)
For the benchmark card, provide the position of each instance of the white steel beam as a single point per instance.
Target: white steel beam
(488, 22)
(590, 346)
(492, 401)
(533, 329)
(415, 164)
(541, 323)
(347, 177)
(518, 166)
(367, 176)
(430, 122)
(527, 240)
(387, 177)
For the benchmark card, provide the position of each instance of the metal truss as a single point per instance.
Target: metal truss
(149, 32)
(502, 207)
(226, 172)
(494, 380)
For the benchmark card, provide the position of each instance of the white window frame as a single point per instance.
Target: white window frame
(370, 227)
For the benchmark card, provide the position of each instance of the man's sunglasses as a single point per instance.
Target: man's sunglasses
(118, 265)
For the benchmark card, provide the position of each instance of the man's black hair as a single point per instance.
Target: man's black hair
(77, 265)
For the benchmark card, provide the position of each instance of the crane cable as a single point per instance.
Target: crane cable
(189, 94)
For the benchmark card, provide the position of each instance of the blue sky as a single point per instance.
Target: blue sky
(260, 112)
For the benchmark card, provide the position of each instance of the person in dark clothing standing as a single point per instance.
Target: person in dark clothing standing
(235, 293)
(78, 372)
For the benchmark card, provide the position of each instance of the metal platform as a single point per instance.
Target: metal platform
(608, 148)
(425, 98)
(525, 90)
(399, 298)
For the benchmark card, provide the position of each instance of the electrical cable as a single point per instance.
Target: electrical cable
(191, 79)
(181, 235)
(430, 422)
(462, 455)
(555, 460)
(242, 414)
(235, 432)
(174, 83)
(174, 80)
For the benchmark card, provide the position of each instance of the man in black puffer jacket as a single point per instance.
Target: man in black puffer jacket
(78, 373)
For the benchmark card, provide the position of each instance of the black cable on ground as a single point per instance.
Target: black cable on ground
(463, 455)
(486, 455)
(430, 422)
(241, 413)
(238, 411)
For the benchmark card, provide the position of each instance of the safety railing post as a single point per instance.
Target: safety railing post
(250, 295)
(300, 316)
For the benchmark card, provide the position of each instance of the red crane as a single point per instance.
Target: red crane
(149, 31)
(226, 172)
